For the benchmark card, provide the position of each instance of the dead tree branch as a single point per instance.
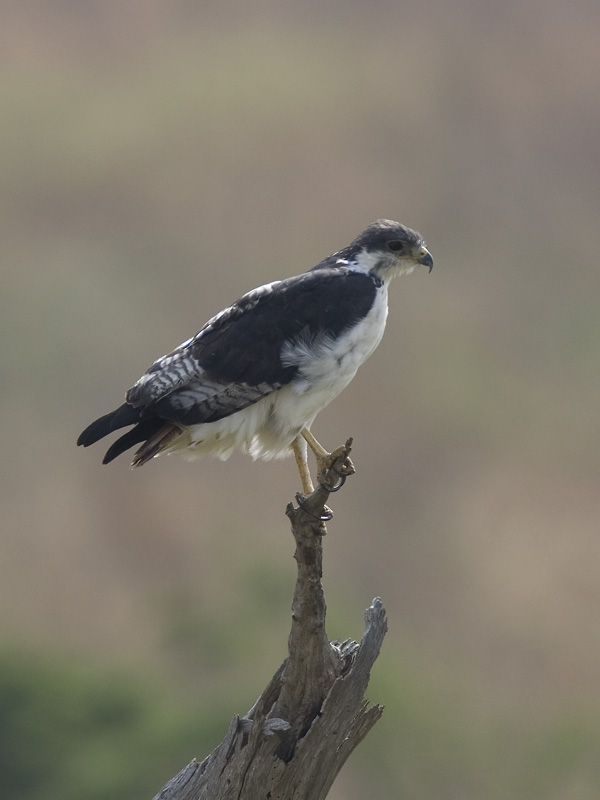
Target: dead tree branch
(298, 734)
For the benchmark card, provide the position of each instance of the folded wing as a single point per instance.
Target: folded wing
(234, 360)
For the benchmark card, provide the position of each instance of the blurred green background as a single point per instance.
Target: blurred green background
(156, 161)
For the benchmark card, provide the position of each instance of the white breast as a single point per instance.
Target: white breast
(334, 360)
(326, 365)
(266, 429)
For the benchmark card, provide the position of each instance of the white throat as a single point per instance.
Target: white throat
(380, 264)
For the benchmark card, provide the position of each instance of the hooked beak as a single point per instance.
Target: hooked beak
(424, 257)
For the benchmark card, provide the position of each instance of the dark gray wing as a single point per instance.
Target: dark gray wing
(236, 358)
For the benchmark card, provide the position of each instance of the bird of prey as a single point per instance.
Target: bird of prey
(257, 374)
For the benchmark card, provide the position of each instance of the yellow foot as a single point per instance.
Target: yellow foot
(333, 468)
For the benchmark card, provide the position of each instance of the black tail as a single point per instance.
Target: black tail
(144, 430)
(123, 416)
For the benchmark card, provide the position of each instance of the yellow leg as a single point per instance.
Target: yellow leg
(299, 449)
(315, 446)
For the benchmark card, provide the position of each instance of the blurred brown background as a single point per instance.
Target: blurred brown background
(159, 159)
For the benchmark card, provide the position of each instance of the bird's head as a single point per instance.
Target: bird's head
(387, 248)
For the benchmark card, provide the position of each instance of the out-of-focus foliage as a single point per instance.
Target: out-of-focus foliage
(79, 731)
(76, 730)
(156, 161)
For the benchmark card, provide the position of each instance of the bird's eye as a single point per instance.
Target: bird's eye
(395, 245)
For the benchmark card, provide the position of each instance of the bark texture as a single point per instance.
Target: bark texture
(298, 734)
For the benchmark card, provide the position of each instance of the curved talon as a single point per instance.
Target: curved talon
(336, 486)
(321, 518)
(342, 470)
